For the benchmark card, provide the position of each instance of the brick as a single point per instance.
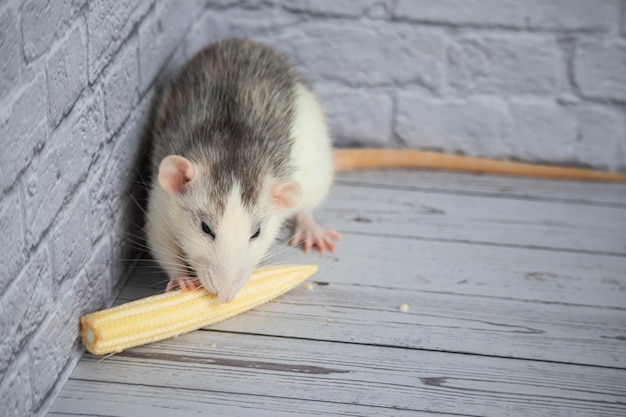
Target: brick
(358, 117)
(102, 193)
(159, 35)
(24, 132)
(123, 248)
(152, 51)
(600, 69)
(57, 343)
(173, 64)
(28, 300)
(259, 24)
(623, 31)
(72, 238)
(477, 126)
(340, 8)
(45, 21)
(505, 65)
(572, 15)
(461, 12)
(529, 14)
(51, 349)
(109, 24)
(543, 131)
(220, 4)
(129, 243)
(123, 180)
(62, 165)
(13, 257)
(67, 74)
(366, 53)
(16, 391)
(97, 281)
(115, 175)
(10, 56)
(209, 27)
(120, 86)
(601, 136)
(243, 4)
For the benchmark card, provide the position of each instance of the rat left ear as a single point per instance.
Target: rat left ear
(286, 195)
(174, 172)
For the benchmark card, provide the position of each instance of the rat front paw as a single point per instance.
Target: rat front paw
(183, 284)
(311, 235)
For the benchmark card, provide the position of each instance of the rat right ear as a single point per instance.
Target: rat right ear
(286, 195)
(174, 172)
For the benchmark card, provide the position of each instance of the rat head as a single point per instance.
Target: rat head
(223, 234)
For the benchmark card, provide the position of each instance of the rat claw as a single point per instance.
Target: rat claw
(182, 283)
(330, 245)
(309, 233)
(308, 244)
(332, 234)
(296, 239)
(320, 243)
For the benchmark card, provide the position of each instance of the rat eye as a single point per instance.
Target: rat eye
(256, 234)
(206, 229)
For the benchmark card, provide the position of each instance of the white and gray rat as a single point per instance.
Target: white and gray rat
(240, 143)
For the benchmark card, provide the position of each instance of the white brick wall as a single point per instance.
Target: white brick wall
(595, 62)
(66, 72)
(76, 80)
(558, 15)
(532, 79)
(528, 79)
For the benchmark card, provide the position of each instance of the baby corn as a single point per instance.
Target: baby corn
(173, 313)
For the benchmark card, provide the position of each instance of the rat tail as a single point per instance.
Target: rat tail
(372, 158)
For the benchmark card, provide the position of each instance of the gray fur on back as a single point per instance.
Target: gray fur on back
(230, 109)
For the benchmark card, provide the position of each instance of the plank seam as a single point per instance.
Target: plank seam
(274, 396)
(485, 194)
(482, 243)
(381, 345)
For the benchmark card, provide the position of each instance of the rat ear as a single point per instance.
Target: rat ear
(286, 195)
(174, 172)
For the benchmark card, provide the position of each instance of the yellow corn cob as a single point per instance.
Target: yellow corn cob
(173, 313)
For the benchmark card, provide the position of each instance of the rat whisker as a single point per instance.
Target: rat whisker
(106, 357)
(166, 251)
(159, 212)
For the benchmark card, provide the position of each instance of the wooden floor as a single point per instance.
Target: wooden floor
(517, 295)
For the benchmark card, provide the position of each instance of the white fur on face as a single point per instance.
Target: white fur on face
(224, 264)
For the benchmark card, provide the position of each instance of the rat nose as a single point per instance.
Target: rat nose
(231, 287)
(226, 297)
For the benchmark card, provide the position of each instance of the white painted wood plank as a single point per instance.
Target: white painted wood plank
(480, 219)
(81, 397)
(487, 299)
(457, 268)
(437, 321)
(491, 271)
(365, 375)
(494, 185)
(505, 328)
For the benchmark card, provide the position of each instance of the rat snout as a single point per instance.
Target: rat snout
(226, 297)
(230, 284)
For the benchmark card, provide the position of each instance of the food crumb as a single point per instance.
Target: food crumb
(308, 286)
(329, 320)
(213, 345)
(404, 307)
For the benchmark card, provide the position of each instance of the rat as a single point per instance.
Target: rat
(240, 144)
